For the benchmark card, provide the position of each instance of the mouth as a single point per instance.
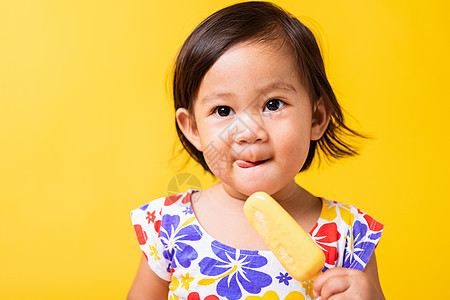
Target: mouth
(249, 164)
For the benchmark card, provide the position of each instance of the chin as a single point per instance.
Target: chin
(251, 188)
(251, 183)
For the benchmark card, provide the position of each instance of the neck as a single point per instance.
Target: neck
(289, 192)
(230, 202)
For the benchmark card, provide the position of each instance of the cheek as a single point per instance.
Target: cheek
(208, 136)
(298, 150)
(215, 150)
(294, 144)
(205, 134)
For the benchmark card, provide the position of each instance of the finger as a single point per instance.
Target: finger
(320, 281)
(334, 286)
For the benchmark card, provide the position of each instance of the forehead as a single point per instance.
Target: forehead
(258, 51)
(252, 66)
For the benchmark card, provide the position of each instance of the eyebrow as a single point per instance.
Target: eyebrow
(277, 85)
(215, 95)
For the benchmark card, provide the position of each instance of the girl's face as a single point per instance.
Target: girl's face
(253, 119)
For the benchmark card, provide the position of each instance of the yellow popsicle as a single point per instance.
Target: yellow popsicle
(293, 247)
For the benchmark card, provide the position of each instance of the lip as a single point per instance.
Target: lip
(249, 164)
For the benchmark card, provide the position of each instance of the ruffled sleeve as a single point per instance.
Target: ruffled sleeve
(147, 222)
(362, 238)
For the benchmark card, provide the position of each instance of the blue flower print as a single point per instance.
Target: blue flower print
(375, 236)
(358, 253)
(284, 278)
(173, 237)
(144, 207)
(188, 211)
(234, 269)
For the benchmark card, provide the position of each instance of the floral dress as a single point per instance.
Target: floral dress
(179, 250)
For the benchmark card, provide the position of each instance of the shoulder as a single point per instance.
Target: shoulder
(152, 222)
(347, 215)
(147, 218)
(163, 205)
(356, 233)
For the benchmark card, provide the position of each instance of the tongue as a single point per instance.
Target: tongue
(247, 164)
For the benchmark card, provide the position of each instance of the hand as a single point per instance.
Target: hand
(342, 283)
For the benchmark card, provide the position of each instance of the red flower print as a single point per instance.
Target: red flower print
(196, 296)
(172, 199)
(151, 217)
(373, 225)
(326, 237)
(157, 226)
(145, 255)
(141, 234)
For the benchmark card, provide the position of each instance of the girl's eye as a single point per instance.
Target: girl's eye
(273, 105)
(223, 111)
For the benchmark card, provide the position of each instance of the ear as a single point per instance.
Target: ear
(187, 125)
(320, 120)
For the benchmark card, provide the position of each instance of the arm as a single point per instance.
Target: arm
(345, 283)
(147, 285)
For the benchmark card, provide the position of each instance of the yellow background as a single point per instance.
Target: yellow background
(87, 132)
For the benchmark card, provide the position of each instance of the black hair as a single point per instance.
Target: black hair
(259, 21)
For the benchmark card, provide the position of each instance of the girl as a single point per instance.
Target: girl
(253, 106)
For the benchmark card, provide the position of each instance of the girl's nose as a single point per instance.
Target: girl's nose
(250, 129)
